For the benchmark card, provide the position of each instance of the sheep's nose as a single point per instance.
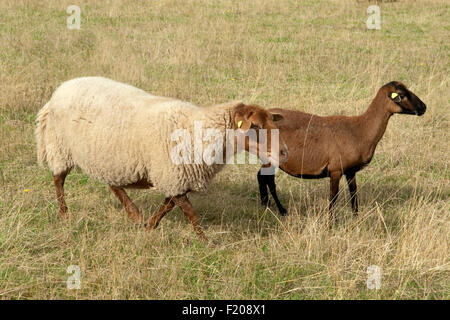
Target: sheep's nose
(421, 110)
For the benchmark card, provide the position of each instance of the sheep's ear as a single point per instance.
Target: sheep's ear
(277, 117)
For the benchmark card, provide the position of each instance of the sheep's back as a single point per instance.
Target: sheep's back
(108, 129)
(119, 134)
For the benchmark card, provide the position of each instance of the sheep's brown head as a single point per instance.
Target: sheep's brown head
(402, 100)
(249, 121)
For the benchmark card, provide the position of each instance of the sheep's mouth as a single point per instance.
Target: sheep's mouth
(266, 158)
(416, 110)
(420, 112)
(407, 111)
(274, 161)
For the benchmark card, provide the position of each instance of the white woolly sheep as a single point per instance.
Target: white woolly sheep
(121, 135)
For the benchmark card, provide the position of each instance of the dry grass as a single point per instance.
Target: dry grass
(310, 55)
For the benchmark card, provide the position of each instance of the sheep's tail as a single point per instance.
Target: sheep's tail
(41, 125)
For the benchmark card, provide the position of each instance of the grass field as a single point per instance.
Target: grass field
(315, 56)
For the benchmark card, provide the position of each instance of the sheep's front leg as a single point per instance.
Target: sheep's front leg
(351, 181)
(185, 205)
(268, 180)
(153, 222)
(264, 196)
(130, 207)
(273, 191)
(334, 190)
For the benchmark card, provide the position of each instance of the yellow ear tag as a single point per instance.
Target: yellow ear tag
(394, 95)
(240, 124)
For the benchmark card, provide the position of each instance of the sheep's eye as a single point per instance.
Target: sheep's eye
(254, 126)
(398, 98)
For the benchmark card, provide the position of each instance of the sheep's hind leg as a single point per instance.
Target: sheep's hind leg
(185, 205)
(156, 218)
(334, 191)
(59, 179)
(130, 207)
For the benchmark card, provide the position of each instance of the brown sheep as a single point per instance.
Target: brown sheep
(333, 146)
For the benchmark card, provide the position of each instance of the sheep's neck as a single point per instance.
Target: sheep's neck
(373, 125)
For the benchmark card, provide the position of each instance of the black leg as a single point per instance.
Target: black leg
(268, 180)
(351, 181)
(273, 191)
(263, 189)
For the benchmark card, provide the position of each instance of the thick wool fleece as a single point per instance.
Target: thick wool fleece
(119, 134)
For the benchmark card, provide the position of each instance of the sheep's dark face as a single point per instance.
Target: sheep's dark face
(403, 100)
(260, 143)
